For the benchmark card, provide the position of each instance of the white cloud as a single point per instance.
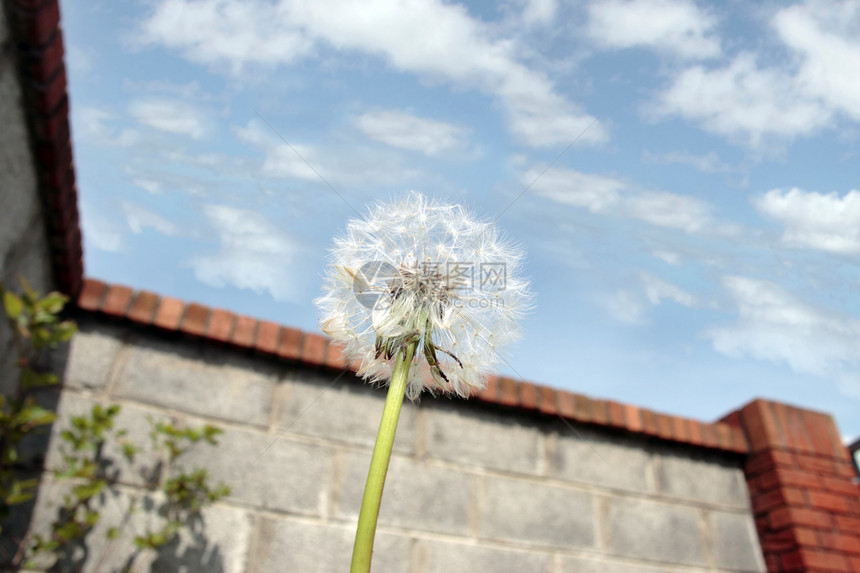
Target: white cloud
(774, 325)
(668, 257)
(825, 222)
(149, 185)
(826, 36)
(744, 102)
(102, 234)
(253, 254)
(657, 290)
(678, 27)
(406, 131)
(600, 194)
(539, 12)
(756, 105)
(623, 306)
(138, 218)
(170, 116)
(348, 166)
(707, 163)
(455, 48)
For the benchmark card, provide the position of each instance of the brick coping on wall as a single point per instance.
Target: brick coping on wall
(168, 314)
(38, 41)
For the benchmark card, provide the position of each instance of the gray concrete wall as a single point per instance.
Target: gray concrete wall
(23, 239)
(470, 488)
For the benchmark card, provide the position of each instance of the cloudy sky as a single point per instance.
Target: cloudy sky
(684, 175)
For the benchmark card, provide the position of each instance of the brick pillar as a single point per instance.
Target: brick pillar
(804, 489)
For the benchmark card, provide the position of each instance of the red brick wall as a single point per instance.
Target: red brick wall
(38, 40)
(803, 487)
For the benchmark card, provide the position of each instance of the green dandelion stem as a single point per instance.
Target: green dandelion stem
(363, 549)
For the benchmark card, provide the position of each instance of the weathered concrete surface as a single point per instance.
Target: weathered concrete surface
(23, 239)
(469, 488)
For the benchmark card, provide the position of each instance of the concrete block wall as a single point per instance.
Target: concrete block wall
(472, 487)
(23, 239)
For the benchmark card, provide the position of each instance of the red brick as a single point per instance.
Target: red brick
(634, 419)
(783, 477)
(92, 294)
(43, 63)
(599, 412)
(221, 325)
(291, 343)
(547, 400)
(509, 394)
(116, 301)
(39, 22)
(809, 559)
(841, 542)
(788, 539)
(267, 337)
(760, 425)
(847, 524)
(768, 460)
(778, 497)
(855, 563)
(244, 332)
(724, 432)
(314, 349)
(169, 313)
(490, 390)
(664, 426)
(143, 307)
(565, 404)
(816, 464)
(695, 432)
(528, 395)
(841, 485)
(195, 320)
(649, 422)
(680, 430)
(616, 415)
(711, 436)
(793, 516)
(583, 408)
(335, 357)
(833, 503)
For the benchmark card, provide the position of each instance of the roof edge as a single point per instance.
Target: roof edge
(168, 314)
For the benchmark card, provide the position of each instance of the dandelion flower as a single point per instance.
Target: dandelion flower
(417, 270)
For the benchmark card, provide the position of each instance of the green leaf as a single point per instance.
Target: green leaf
(53, 302)
(13, 305)
(113, 533)
(33, 379)
(86, 491)
(17, 498)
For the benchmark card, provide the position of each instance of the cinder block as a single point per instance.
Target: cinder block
(113, 507)
(656, 531)
(466, 436)
(417, 495)
(598, 459)
(92, 352)
(289, 544)
(217, 542)
(710, 480)
(130, 418)
(455, 557)
(735, 542)
(280, 476)
(583, 565)
(199, 379)
(520, 510)
(345, 411)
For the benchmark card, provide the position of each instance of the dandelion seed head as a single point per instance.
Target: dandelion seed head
(411, 269)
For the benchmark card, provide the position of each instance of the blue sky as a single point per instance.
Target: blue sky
(693, 239)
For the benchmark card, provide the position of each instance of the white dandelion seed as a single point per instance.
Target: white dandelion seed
(418, 270)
